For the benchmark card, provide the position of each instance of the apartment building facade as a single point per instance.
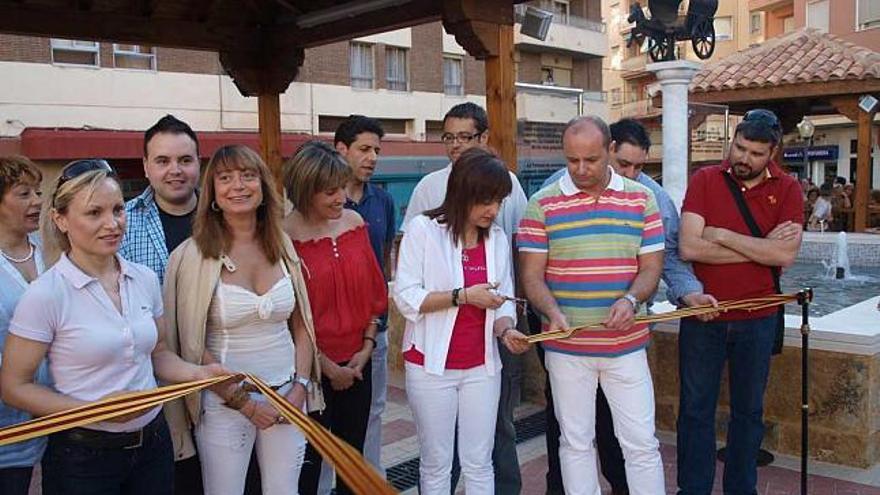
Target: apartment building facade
(833, 151)
(65, 99)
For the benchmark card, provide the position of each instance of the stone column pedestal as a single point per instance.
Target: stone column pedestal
(674, 78)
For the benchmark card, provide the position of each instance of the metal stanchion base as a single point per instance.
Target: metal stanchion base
(764, 458)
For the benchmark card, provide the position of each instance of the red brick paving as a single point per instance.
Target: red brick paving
(771, 480)
(397, 430)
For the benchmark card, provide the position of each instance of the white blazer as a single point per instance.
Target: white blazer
(429, 262)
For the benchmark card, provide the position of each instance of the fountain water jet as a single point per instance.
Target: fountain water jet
(838, 266)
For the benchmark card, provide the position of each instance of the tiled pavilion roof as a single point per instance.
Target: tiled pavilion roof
(802, 56)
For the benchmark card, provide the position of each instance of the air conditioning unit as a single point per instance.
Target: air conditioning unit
(535, 22)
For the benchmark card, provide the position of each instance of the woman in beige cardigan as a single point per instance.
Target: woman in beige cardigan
(235, 295)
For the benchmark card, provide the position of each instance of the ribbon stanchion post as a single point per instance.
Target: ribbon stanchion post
(805, 297)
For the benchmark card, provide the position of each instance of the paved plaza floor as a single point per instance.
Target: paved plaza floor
(401, 449)
(400, 456)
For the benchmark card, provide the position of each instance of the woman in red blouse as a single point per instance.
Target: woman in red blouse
(347, 292)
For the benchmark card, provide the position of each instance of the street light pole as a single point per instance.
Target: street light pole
(806, 129)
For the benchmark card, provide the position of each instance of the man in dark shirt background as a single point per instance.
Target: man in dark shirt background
(359, 140)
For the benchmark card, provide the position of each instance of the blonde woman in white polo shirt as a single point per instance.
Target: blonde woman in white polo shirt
(98, 318)
(454, 287)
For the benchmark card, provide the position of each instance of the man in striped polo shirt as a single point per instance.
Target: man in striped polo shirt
(591, 250)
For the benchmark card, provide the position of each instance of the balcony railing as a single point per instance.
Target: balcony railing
(634, 63)
(550, 89)
(557, 103)
(639, 108)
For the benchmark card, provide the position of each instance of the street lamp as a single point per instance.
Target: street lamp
(806, 128)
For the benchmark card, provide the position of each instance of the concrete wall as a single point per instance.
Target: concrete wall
(842, 23)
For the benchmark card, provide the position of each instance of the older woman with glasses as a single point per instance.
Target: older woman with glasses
(454, 286)
(21, 261)
(99, 320)
(347, 290)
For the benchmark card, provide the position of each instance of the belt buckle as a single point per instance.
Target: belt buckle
(140, 441)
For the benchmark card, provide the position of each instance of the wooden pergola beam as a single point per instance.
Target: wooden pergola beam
(378, 21)
(848, 106)
(786, 92)
(261, 46)
(269, 114)
(863, 171)
(501, 98)
(28, 20)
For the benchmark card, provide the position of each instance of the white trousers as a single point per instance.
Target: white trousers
(471, 398)
(225, 440)
(626, 381)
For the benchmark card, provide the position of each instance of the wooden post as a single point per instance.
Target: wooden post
(501, 97)
(269, 109)
(863, 171)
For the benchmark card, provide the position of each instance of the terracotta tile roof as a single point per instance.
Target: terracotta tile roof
(802, 56)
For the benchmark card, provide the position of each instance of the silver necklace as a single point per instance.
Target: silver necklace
(19, 260)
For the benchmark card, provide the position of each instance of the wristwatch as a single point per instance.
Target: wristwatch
(305, 382)
(632, 300)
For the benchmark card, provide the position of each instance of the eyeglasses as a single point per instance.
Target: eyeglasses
(461, 137)
(76, 168)
(765, 117)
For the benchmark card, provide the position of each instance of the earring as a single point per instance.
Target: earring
(214, 206)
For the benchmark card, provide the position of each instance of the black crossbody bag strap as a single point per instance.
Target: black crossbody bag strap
(756, 232)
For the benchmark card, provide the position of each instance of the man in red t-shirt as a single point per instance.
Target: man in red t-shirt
(732, 263)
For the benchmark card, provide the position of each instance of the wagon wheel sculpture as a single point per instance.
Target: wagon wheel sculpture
(703, 38)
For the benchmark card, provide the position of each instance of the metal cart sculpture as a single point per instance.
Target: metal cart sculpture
(664, 27)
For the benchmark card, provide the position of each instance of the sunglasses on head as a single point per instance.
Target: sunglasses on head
(76, 168)
(765, 117)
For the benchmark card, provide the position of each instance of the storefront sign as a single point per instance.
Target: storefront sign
(814, 153)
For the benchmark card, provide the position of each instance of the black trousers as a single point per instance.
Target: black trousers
(15, 480)
(610, 454)
(345, 414)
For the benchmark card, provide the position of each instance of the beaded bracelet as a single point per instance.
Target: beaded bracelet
(238, 399)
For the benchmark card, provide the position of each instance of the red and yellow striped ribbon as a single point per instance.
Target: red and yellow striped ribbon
(101, 410)
(753, 304)
(347, 461)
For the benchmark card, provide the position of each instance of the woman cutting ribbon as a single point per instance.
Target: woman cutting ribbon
(454, 287)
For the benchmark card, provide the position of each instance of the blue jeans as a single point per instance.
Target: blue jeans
(70, 468)
(703, 349)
